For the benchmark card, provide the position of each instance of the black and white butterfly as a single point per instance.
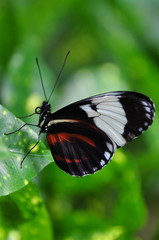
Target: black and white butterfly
(83, 136)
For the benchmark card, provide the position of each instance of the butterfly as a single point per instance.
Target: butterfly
(84, 135)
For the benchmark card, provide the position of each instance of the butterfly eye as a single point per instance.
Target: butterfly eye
(38, 110)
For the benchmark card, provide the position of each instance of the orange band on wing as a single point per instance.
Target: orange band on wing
(61, 137)
(75, 160)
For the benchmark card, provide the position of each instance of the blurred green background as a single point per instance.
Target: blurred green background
(114, 46)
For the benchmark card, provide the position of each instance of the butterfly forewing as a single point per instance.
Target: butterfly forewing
(84, 135)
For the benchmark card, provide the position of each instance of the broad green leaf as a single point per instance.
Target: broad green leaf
(12, 150)
(26, 216)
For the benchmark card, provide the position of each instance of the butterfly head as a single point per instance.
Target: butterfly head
(44, 111)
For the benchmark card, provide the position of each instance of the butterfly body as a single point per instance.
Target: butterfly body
(45, 116)
(83, 136)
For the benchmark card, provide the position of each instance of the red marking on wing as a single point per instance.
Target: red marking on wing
(61, 137)
(60, 158)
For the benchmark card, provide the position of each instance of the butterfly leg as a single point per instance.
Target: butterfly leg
(21, 163)
(27, 116)
(26, 124)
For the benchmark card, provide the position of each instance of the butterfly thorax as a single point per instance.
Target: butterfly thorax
(45, 113)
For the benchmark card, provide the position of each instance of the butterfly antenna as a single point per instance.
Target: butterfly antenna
(37, 62)
(58, 78)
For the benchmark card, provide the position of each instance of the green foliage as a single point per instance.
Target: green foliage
(13, 148)
(107, 204)
(24, 216)
(114, 46)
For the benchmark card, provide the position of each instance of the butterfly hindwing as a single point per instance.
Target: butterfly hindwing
(84, 135)
(78, 147)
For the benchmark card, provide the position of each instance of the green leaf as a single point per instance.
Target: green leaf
(26, 216)
(12, 150)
